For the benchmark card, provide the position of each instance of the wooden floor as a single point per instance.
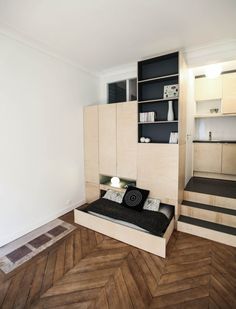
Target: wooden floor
(88, 270)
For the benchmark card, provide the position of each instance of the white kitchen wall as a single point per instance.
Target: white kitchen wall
(41, 137)
(222, 128)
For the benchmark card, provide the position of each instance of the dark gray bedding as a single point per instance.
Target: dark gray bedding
(154, 222)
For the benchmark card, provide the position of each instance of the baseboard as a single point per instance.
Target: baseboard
(38, 224)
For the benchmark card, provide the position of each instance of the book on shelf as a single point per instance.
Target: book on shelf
(147, 117)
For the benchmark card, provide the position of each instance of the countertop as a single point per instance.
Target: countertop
(214, 141)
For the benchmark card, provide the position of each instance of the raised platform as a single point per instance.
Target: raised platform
(209, 209)
(219, 187)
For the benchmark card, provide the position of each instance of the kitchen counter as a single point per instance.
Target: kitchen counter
(214, 141)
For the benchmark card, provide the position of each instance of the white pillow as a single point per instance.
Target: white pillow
(152, 204)
(114, 196)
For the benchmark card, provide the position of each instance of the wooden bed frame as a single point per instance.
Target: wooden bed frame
(148, 242)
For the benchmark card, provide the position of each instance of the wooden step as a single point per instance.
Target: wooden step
(206, 229)
(210, 213)
(212, 186)
(213, 200)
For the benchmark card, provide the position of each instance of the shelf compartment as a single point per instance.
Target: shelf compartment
(157, 122)
(154, 90)
(158, 66)
(158, 78)
(158, 100)
(157, 132)
(214, 115)
(161, 109)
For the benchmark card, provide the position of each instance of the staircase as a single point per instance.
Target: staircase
(209, 210)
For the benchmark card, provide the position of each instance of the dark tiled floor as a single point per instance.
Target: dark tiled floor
(226, 188)
(57, 230)
(19, 253)
(39, 241)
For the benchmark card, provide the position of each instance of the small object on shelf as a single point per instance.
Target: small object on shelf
(115, 182)
(214, 110)
(147, 140)
(142, 139)
(210, 135)
(170, 114)
(147, 117)
(171, 91)
(173, 138)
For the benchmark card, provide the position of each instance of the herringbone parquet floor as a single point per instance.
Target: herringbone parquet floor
(89, 270)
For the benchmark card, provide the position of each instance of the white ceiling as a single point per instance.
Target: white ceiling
(100, 34)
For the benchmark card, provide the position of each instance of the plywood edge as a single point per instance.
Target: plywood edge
(209, 215)
(141, 240)
(214, 200)
(223, 238)
(169, 230)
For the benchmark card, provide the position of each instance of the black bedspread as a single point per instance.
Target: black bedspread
(154, 222)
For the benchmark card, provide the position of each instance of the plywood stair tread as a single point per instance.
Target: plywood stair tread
(227, 211)
(218, 187)
(208, 225)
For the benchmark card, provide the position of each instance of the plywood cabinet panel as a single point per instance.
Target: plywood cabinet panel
(229, 159)
(127, 140)
(208, 88)
(92, 192)
(91, 144)
(229, 93)
(107, 139)
(158, 171)
(207, 157)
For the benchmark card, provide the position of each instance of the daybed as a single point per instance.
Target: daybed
(147, 230)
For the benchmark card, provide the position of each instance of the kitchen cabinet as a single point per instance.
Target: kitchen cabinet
(208, 88)
(229, 159)
(207, 157)
(229, 93)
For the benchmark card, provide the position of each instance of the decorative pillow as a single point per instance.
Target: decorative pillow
(135, 198)
(167, 210)
(114, 196)
(152, 204)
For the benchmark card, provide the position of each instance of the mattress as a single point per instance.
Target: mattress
(153, 222)
(125, 223)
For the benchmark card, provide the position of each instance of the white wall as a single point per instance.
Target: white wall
(222, 128)
(41, 137)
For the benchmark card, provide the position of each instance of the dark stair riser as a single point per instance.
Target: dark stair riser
(208, 225)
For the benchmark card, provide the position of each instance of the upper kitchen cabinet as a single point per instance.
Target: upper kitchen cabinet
(229, 93)
(208, 88)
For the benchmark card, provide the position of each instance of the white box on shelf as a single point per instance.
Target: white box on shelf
(171, 91)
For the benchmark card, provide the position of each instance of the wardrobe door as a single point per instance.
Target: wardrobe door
(127, 140)
(107, 139)
(91, 144)
(158, 171)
